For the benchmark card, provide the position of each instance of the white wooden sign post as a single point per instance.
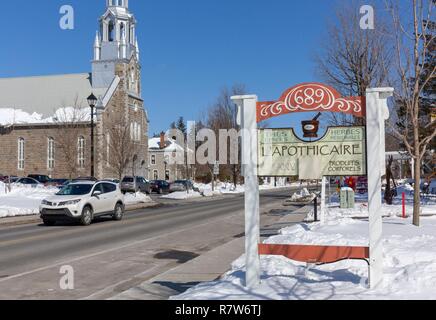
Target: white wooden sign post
(248, 123)
(377, 113)
(311, 97)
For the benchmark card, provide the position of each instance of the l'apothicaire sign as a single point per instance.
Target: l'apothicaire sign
(341, 152)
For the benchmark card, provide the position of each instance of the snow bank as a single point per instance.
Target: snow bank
(409, 264)
(222, 188)
(23, 200)
(303, 195)
(182, 195)
(136, 198)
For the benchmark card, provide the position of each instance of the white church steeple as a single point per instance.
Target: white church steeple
(115, 42)
(117, 24)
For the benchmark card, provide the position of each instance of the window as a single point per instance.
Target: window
(135, 131)
(51, 154)
(81, 152)
(153, 159)
(132, 131)
(155, 175)
(111, 33)
(21, 154)
(122, 31)
(108, 144)
(98, 187)
(109, 188)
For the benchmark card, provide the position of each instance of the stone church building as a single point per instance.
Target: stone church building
(61, 147)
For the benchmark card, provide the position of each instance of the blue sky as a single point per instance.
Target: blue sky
(189, 49)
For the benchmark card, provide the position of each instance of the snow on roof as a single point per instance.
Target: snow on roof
(34, 98)
(171, 145)
(10, 116)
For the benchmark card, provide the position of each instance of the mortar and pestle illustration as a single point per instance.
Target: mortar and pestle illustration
(311, 127)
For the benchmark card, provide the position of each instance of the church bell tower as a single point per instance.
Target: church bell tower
(115, 42)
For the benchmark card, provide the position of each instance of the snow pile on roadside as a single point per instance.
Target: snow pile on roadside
(23, 200)
(409, 264)
(136, 198)
(303, 195)
(222, 188)
(2, 188)
(182, 195)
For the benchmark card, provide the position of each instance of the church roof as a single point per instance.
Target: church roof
(45, 94)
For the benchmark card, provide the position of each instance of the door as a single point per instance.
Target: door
(98, 202)
(110, 196)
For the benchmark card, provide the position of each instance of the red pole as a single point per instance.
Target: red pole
(404, 205)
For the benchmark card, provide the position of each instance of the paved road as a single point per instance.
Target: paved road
(146, 243)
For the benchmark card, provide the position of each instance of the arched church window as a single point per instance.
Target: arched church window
(122, 31)
(50, 153)
(111, 31)
(20, 154)
(81, 152)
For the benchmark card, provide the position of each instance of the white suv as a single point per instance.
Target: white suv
(83, 201)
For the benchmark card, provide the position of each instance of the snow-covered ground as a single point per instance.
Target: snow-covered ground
(22, 200)
(409, 262)
(205, 190)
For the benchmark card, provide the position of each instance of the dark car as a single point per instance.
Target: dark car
(81, 179)
(40, 178)
(58, 183)
(135, 184)
(7, 179)
(159, 186)
(111, 180)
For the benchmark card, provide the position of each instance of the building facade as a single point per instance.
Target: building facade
(167, 160)
(58, 143)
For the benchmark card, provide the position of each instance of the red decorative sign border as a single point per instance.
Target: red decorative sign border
(311, 97)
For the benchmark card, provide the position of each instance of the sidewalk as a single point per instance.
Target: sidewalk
(31, 219)
(208, 267)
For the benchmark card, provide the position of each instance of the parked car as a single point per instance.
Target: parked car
(40, 178)
(28, 182)
(112, 180)
(182, 185)
(58, 183)
(92, 179)
(3, 178)
(11, 179)
(83, 201)
(159, 186)
(135, 184)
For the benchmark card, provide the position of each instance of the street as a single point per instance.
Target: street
(146, 243)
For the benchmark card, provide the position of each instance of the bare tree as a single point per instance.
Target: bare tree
(352, 59)
(415, 42)
(72, 120)
(222, 115)
(121, 144)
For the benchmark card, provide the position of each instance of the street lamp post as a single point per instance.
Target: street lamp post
(92, 101)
